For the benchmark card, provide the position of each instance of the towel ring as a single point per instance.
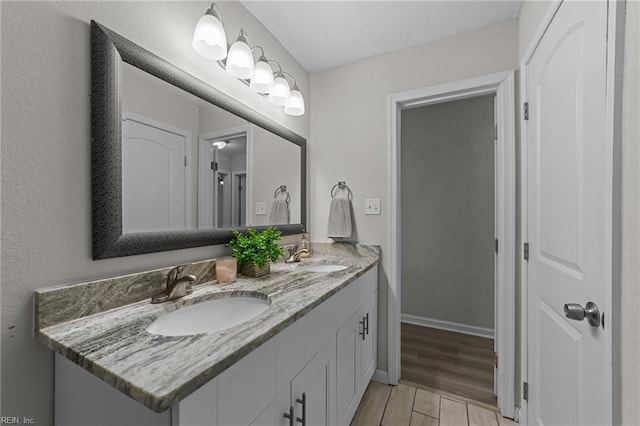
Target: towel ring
(282, 189)
(341, 185)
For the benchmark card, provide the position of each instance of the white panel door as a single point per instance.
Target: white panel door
(569, 222)
(153, 178)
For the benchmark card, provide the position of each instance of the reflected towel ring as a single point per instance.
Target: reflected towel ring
(282, 189)
(341, 185)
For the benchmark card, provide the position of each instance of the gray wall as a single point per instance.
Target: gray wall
(448, 211)
(349, 130)
(46, 207)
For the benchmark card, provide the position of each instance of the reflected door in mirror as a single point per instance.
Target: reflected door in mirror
(154, 176)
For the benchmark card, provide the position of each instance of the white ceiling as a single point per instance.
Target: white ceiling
(325, 34)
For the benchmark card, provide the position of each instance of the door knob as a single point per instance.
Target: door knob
(576, 312)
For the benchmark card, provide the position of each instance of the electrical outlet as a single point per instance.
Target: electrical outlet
(372, 206)
(261, 208)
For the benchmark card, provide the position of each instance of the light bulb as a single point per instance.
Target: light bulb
(296, 103)
(281, 92)
(240, 59)
(262, 81)
(209, 38)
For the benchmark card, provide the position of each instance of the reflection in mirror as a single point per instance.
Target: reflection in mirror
(188, 164)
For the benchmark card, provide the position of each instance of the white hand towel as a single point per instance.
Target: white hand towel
(279, 213)
(340, 219)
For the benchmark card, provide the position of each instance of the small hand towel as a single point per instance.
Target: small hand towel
(279, 213)
(340, 219)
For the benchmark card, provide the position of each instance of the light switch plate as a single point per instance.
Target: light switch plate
(261, 208)
(372, 206)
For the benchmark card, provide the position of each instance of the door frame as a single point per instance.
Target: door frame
(613, 134)
(188, 184)
(501, 84)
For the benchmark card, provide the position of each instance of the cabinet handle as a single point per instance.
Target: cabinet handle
(302, 420)
(289, 416)
(362, 333)
(366, 321)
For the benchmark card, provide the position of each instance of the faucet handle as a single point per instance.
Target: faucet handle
(175, 272)
(292, 248)
(180, 268)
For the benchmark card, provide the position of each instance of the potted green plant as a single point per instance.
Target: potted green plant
(254, 250)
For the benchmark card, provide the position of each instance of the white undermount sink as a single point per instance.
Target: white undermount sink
(208, 317)
(324, 268)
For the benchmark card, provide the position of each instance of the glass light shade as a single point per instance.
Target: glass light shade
(296, 103)
(240, 60)
(262, 81)
(281, 92)
(220, 144)
(209, 38)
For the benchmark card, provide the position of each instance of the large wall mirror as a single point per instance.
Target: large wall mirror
(178, 164)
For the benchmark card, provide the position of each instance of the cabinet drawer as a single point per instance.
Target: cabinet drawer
(247, 387)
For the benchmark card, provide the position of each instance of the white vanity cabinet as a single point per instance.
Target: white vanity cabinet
(316, 370)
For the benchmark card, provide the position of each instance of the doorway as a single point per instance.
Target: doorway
(500, 86)
(448, 221)
(223, 187)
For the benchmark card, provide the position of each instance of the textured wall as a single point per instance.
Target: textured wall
(448, 211)
(46, 205)
(349, 134)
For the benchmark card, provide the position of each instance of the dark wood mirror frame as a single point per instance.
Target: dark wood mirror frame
(108, 51)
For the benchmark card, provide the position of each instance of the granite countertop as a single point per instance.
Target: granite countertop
(115, 346)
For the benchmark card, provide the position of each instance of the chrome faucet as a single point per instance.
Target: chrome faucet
(293, 254)
(177, 286)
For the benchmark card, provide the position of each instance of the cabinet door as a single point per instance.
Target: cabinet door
(369, 344)
(199, 408)
(348, 361)
(314, 389)
(247, 387)
(274, 413)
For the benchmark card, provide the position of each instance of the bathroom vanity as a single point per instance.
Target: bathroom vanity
(307, 359)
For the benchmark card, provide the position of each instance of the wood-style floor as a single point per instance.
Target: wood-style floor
(454, 363)
(405, 405)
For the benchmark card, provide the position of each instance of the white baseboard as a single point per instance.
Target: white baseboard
(381, 376)
(449, 326)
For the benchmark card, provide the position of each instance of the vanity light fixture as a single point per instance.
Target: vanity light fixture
(295, 106)
(240, 64)
(220, 144)
(281, 92)
(262, 80)
(209, 38)
(240, 59)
